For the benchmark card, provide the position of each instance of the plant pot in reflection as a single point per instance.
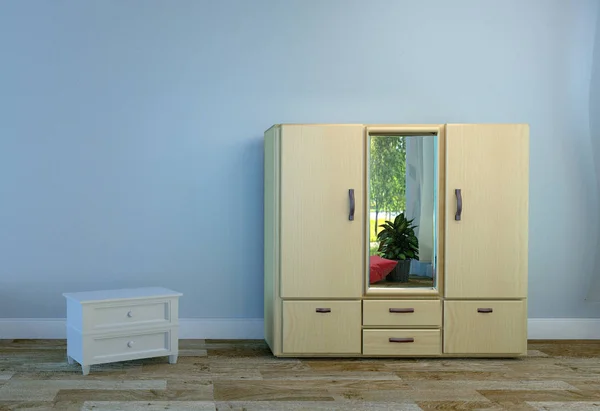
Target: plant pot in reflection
(400, 273)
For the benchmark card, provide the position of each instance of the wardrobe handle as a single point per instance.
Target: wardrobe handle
(458, 204)
(352, 204)
(485, 310)
(323, 310)
(402, 310)
(402, 340)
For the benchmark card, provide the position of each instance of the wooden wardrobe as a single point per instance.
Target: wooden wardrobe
(328, 189)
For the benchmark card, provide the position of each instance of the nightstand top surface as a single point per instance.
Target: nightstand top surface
(123, 293)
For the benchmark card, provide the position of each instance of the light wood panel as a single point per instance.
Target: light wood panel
(402, 342)
(485, 327)
(402, 313)
(321, 248)
(440, 265)
(486, 251)
(272, 303)
(322, 327)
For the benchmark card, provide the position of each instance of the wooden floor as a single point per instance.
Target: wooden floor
(242, 375)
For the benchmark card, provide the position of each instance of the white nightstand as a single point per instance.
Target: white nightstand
(118, 325)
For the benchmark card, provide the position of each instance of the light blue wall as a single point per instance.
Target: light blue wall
(594, 289)
(131, 132)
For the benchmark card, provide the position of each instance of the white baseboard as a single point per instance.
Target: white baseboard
(252, 328)
(189, 328)
(222, 328)
(34, 328)
(563, 328)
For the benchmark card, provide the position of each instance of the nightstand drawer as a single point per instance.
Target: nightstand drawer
(402, 342)
(127, 314)
(100, 349)
(402, 313)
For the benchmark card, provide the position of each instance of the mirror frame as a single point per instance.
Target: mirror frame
(439, 131)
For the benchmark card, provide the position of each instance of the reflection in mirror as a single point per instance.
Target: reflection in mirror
(403, 198)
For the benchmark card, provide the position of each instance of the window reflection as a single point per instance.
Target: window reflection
(402, 207)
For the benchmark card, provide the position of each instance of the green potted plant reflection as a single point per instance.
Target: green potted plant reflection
(397, 241)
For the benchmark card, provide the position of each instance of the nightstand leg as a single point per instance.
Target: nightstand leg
(70, 360)
(85, 369)
(172, 359)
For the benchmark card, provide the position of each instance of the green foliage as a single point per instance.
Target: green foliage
(397, 239)
(387, 174)
(373, 250)
(373, 229)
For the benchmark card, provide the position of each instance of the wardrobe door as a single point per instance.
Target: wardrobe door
(322, 207)
(486, 239)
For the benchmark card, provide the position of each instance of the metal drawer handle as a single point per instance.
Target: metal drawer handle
(402, 340)
(130, 314)
(323, 310)
(130, 344)
(352, 204)
(402, 310)
(484, 310)
(458, 214)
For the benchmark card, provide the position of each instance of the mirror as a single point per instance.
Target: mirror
(402, 198)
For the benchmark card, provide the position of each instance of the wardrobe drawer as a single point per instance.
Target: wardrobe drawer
(402, 313)
(402, 342)
(321, 327)
(485, 327)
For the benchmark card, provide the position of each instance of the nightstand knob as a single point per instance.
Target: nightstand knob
(130, 344)
(130, 314)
